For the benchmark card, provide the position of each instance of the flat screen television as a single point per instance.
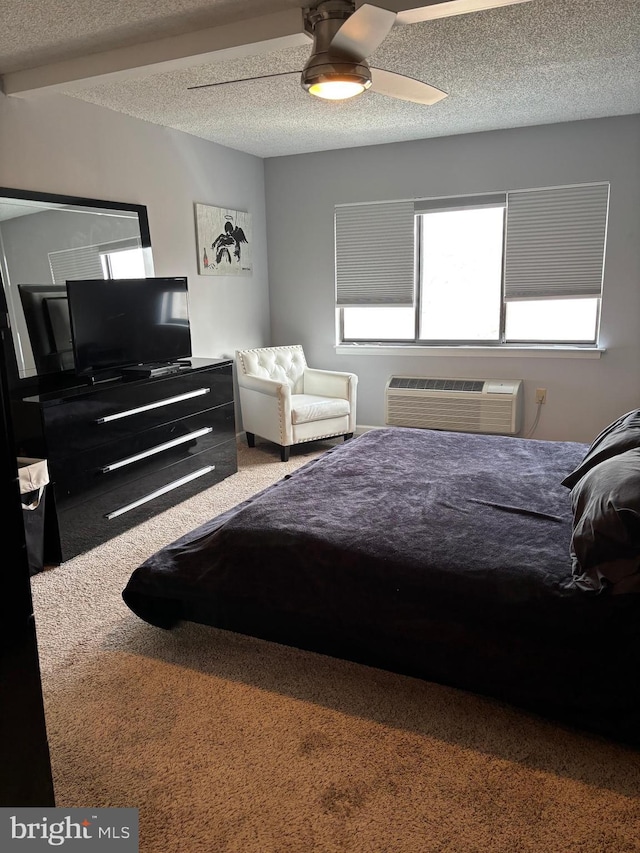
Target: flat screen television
(46, 315)
(118, 323)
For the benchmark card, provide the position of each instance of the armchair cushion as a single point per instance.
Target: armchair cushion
(310, 407)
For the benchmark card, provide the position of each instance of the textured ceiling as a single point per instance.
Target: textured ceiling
(35, 32)
(539, 62)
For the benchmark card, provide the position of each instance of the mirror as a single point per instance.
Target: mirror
(46, 240)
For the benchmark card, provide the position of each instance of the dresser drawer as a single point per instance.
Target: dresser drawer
(116, 413)
(106, 515)
(81, 476)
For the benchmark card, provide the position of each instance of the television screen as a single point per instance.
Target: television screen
(46, 314)
(123, 322)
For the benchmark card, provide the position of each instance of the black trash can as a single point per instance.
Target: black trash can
(33, 476)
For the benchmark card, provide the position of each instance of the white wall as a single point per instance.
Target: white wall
(301, 191)
(62, 145)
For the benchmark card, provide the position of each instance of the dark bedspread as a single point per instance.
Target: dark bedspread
(439, 554)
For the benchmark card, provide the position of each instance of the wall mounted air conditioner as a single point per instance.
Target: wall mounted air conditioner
(461, 405)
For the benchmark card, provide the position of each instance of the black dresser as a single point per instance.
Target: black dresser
(122, 451)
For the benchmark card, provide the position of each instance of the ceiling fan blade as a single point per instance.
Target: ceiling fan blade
(363, 31)
(242, 80)
(405, 88)
(447, 8)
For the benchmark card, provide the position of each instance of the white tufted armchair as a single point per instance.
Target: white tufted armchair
(284, 401)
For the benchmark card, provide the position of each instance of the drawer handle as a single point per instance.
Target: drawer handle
(159, 448)
(166, 402)
(168, 488)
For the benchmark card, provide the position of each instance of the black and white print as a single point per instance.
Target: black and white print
(224, 241)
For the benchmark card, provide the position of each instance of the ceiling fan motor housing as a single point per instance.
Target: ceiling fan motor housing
(326, 63)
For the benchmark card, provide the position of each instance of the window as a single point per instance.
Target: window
(502, 269)
(117, 259)
(123, 263)
(461, 273)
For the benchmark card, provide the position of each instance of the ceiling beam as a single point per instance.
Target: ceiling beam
(250, 37)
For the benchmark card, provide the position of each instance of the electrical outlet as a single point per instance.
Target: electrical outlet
(541, 395)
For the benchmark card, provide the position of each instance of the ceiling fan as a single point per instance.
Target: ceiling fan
(344, 37)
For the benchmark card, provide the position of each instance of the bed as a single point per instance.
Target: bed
(469, 560)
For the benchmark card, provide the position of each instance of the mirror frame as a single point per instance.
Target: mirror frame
(53, 381)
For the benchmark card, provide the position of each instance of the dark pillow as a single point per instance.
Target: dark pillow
(621, 435)
(605, 545)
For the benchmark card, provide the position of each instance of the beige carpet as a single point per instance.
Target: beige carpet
(229, 743)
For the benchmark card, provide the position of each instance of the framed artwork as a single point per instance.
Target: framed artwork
(224, 240)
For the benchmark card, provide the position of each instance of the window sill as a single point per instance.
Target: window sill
(475, 351)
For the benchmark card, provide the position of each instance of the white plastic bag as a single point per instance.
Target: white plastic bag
(33, 476)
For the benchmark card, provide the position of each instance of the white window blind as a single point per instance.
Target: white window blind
(73, 264)
(435, 205)
(119, 245)
(375, 254)
(555, 242)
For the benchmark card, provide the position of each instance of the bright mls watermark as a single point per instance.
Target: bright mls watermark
(32, 829)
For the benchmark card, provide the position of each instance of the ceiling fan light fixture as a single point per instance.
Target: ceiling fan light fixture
(335, 80)
(337, 88)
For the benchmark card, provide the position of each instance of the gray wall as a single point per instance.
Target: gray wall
(62, 145)
(583, 395)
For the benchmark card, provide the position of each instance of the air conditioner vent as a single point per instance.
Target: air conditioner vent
(461, 405)
(421, 384)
